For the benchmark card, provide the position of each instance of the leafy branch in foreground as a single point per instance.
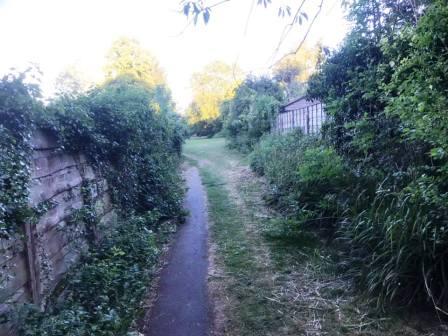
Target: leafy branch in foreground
(198, 8)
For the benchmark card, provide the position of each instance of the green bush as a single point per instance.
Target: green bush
(128, 131)
(131, 135)
(397, 245)
(308, 179)
(207, 128)
(103, 295)
(385, 90)
(251, 112)
(419, 85)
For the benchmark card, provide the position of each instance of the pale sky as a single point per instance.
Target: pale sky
(58, 33)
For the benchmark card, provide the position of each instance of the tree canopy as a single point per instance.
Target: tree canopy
(72, 81)
(127, 57)
(251, 111)
(294, 70)
(211, 86)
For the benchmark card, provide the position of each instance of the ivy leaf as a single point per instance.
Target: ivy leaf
(186, 9)
(284, 11)
(264, 2)
(206, 15)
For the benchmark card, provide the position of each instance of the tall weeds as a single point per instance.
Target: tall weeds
(393, 238)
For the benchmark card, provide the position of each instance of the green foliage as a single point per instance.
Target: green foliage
(308, 179)
(17, 105)
(103, 295)
(250, 114)
(385, 91)
(419, 85)
(206, 128)
(131, 134)
(398, 244)
(293, 70)
(127, 58)
(214, 84)
(352, 82)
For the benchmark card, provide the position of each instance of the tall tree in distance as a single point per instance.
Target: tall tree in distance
(72, 81)
(128, 57)
(212, 86)
(294, 70)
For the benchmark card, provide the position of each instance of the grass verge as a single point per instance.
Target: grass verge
(272, 285)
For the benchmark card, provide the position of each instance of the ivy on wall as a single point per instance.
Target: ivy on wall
(17, 105)
(129, 133)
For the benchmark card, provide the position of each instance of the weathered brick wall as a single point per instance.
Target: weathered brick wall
(32, 265)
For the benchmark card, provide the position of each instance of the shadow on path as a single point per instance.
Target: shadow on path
(181, 308)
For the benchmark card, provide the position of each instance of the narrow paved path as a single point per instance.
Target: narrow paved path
(182, 308)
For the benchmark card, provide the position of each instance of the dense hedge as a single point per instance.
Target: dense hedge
(309, 181)
(131, 135)
(251, 112)
(378, 178)
(128, 131)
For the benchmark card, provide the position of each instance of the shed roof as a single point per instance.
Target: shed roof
(295, 100)
(298, 103)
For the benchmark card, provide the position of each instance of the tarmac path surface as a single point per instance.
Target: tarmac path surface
(182, 307)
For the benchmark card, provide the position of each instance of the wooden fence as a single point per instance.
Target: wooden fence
(33, 265)
(308, 116)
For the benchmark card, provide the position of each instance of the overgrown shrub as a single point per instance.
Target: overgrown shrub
(308, 179)
(251, 112)
(129, 132)
(207, 128)
(131, 135)
(398, 244)
(103, 295)
(385, 91)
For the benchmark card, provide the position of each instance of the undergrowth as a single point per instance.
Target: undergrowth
(103, 295)
(390, 240)
(275, 274)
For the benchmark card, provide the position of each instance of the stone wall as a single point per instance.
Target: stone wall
(33, 264)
